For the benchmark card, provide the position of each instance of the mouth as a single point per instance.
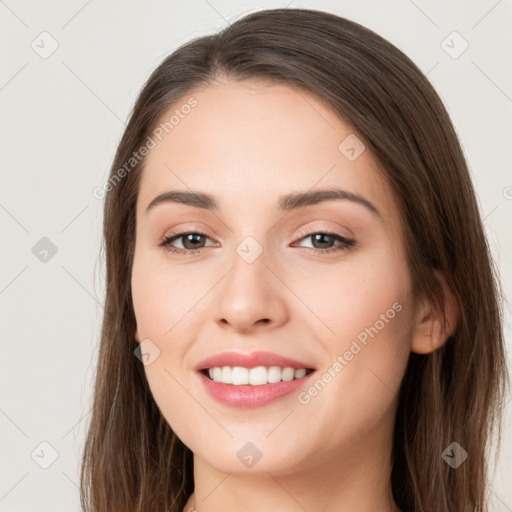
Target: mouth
(256, 376)
(252, 380)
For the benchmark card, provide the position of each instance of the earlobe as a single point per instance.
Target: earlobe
(431, 330)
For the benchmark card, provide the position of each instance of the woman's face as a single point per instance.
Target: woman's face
(323, 283)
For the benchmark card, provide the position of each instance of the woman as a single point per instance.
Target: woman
(301, 311)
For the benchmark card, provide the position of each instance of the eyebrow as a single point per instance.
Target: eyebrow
(288, 202)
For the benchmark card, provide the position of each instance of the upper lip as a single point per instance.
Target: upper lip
(250, 360)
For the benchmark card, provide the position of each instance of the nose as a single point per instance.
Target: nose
(251, 297)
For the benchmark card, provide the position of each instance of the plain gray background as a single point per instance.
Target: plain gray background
(70, 72)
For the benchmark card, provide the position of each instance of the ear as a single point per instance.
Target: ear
(137, 337)
(431, 331)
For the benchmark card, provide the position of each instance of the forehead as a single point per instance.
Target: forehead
(252, 141)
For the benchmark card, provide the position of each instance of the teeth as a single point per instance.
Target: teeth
(274, 374)
(300, 373)
(227, 375)
(258, 376)
(288, 374)
(240, 375)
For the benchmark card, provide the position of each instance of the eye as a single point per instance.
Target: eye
(191, 242)
(322, 241)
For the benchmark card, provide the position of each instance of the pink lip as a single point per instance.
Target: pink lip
(250, 361)
(251, 396)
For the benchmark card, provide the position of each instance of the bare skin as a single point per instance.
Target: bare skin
(248, 144)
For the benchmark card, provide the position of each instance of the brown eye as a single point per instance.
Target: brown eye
(190, 241)
(325, 241)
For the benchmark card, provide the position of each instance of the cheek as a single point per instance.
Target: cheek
(355, 295)
(165, 301)
(366, 311)
(166, 305)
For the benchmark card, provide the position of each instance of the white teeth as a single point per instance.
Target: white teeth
(274, 374)
(300, 373)
(240, 375)
(257, 376)
(227, 375)
(288, 374)
(217, 374)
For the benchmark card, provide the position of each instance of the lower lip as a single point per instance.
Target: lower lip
(251, 396)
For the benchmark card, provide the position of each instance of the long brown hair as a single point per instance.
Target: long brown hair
(132, 460)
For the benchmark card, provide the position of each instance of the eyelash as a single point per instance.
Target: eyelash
(347, 243)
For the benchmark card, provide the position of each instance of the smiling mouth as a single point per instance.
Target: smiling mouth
(257, 376)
